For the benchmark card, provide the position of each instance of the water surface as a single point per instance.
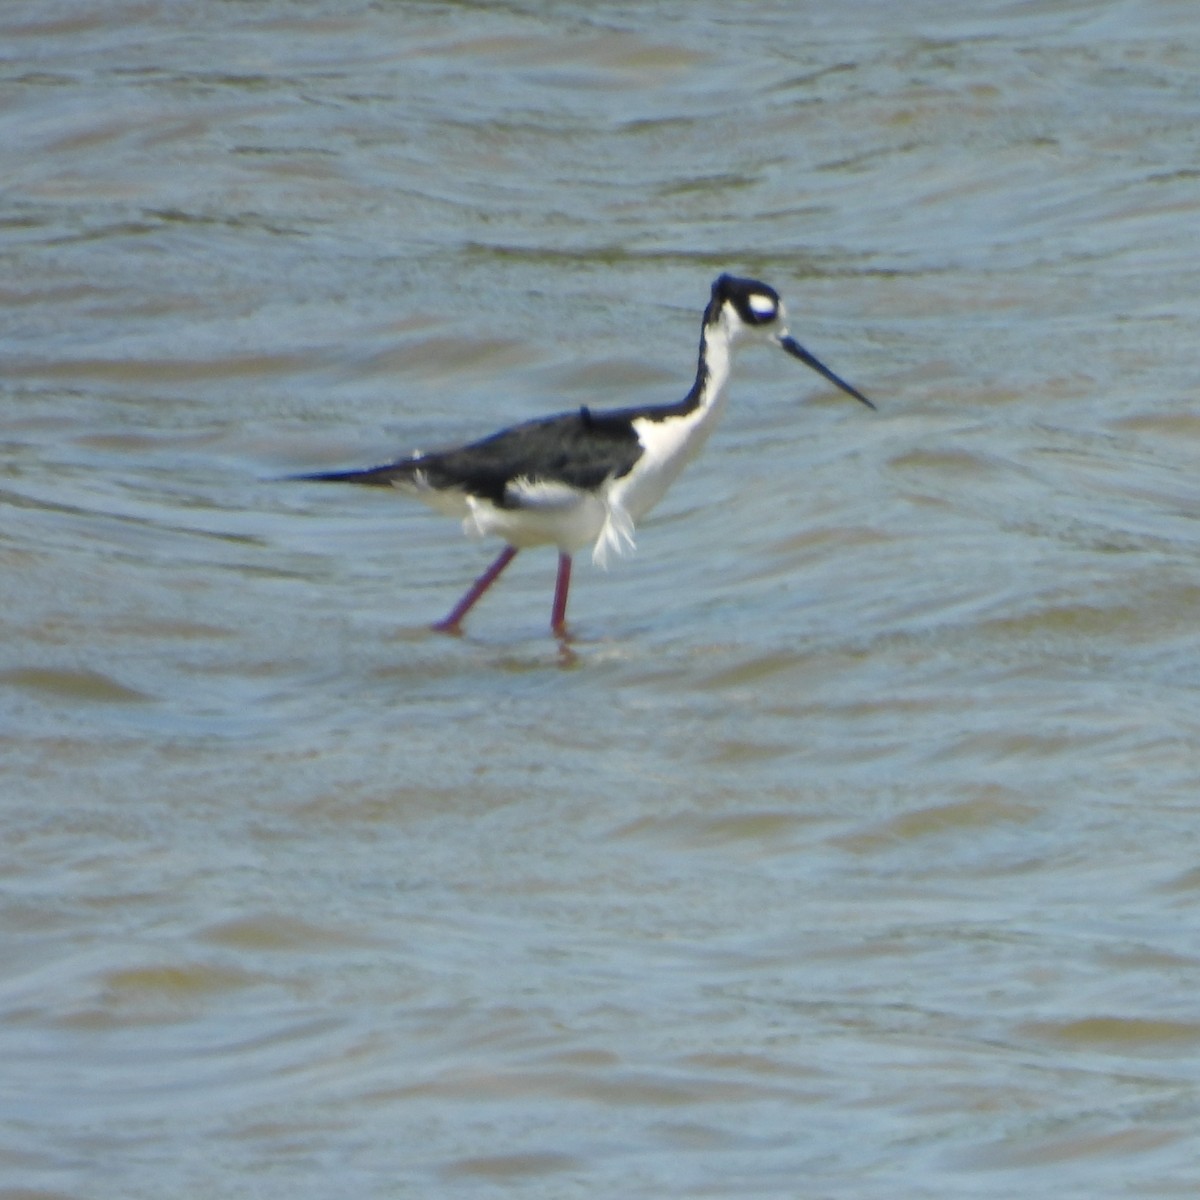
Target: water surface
(852, 852)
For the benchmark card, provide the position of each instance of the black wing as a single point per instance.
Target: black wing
(581, 449)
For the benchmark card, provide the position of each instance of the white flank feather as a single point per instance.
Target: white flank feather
(616, 535)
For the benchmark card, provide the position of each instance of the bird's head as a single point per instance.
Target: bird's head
(745, 310)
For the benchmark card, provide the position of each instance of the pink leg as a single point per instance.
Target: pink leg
(453, 623)
(558, 618)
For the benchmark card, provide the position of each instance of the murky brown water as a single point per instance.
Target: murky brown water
(855, 852)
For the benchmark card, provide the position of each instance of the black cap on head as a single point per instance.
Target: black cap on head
(756, 303)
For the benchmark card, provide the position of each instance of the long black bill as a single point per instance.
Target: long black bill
(794, 348)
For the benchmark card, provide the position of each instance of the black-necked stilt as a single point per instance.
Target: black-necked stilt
(587, 477)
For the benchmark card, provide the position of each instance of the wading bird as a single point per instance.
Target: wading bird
(585, 477)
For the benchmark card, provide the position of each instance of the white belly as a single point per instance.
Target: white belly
(567, 518)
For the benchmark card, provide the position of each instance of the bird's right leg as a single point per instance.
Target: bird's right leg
(453, 622)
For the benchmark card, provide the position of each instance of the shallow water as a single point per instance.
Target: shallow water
(852, 851)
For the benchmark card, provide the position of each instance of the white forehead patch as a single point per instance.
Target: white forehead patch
(762, 305)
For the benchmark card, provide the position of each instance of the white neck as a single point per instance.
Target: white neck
(717, 343)
(673, 439)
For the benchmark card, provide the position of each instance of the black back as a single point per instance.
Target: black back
(581, 449)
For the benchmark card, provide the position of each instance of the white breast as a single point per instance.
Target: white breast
(667, 447)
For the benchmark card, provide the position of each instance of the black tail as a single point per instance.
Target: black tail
(386, 476)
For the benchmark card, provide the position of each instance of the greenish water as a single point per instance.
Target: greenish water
(854, 851)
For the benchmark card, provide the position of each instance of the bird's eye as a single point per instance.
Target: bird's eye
(761, 306)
